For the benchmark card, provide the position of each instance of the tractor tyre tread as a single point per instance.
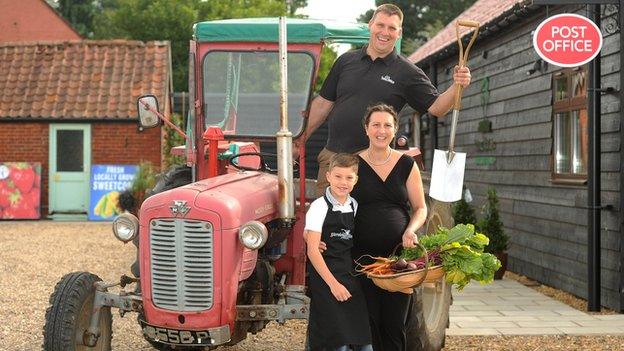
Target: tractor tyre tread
(66, 301)
(174, 177)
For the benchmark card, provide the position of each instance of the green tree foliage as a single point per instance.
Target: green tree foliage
(80, 13)
(224, 9)
(328, 56)
(491, 224)
(173, 21)
(422, 19)
(153, 20)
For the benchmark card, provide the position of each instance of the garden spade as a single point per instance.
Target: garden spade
(447, 172)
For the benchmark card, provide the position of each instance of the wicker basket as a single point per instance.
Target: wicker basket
(405, 282)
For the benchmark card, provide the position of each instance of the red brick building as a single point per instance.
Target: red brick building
(29, 20)
(72, 104)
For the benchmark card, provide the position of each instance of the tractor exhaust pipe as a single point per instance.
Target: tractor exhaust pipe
(284, 137)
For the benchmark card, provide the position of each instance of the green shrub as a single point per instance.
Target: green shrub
(173, 138)
(463, 213)
(492, 226)
(144, 179)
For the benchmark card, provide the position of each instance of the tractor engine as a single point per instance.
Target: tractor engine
(199, 251)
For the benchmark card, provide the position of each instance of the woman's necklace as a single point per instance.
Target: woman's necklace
(382, 162)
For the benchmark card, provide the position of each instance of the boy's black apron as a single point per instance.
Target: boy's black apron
(334, 323)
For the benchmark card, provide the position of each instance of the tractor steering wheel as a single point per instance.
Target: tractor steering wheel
(263, 165)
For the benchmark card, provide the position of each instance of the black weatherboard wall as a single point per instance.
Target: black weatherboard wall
(546, 221)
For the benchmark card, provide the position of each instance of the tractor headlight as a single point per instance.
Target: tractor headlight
(126, 227)
(253, 235)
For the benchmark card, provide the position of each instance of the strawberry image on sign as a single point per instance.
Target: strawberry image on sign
(23, 176)
(20, 210)
(20, 191)
(6, 190)
(33, 197)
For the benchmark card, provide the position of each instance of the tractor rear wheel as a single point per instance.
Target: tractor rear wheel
(69, 315)
(429, 311)
(173, 178)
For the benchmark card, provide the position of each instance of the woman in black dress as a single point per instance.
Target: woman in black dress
(391, 209)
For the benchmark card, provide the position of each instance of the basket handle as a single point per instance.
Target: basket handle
(425, 253)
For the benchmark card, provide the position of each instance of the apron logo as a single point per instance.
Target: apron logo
(345, 234)
(387, 79)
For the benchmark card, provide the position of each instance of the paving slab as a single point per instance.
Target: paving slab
(507, 307)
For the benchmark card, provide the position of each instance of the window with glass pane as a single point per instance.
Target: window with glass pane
(579, 87)
(561, 88)
(570, 138)
(562, 142)
(242, 91)
(69, 151)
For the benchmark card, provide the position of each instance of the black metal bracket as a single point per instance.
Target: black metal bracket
(599, 207)
(572, 2)
(604, 91)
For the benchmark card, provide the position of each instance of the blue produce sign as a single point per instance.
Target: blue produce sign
(107, 181)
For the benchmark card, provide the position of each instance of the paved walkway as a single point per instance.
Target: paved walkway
(507, 307)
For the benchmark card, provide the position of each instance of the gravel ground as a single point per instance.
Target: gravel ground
(35, 255)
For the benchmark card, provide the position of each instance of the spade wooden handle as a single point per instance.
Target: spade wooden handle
(463, 54)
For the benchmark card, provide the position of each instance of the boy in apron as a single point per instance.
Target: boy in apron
(338, 316)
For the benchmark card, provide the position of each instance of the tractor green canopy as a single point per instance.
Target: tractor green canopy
(266, 30)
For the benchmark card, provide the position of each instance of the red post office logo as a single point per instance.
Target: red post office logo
(567, 40)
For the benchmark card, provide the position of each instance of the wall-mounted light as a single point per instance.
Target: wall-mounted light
(538, 66)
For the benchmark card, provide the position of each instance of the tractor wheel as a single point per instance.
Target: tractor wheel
(173, 178)
(69, 314)
(429, 317)
(429, 312)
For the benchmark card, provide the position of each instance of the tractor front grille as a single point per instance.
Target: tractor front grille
(182, 264)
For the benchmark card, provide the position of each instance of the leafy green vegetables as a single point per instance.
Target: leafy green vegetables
(460, 250)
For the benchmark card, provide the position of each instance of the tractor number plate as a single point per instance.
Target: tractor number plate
(174, 336)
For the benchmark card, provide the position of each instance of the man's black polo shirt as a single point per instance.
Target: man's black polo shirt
(355, 82)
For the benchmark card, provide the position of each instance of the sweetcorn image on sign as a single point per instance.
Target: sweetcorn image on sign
(107, 182)
(567, 40)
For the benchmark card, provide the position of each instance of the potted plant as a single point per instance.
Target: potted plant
(492, 226)
(463, 213)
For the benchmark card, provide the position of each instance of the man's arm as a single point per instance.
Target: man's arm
(319, 110)
(444, 102)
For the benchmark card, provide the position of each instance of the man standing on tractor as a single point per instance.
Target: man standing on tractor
(375, 73)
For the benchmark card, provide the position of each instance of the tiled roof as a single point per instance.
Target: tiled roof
(81, 79)
(482, 11)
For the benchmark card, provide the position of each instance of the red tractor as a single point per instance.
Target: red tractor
(220, 242)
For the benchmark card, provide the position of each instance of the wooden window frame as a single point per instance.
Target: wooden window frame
(569, 104)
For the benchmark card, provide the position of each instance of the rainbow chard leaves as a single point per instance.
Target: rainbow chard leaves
(461, 251)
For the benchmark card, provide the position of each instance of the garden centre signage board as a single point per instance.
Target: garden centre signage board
(567, 40)
(20, 190)
(107, 182)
